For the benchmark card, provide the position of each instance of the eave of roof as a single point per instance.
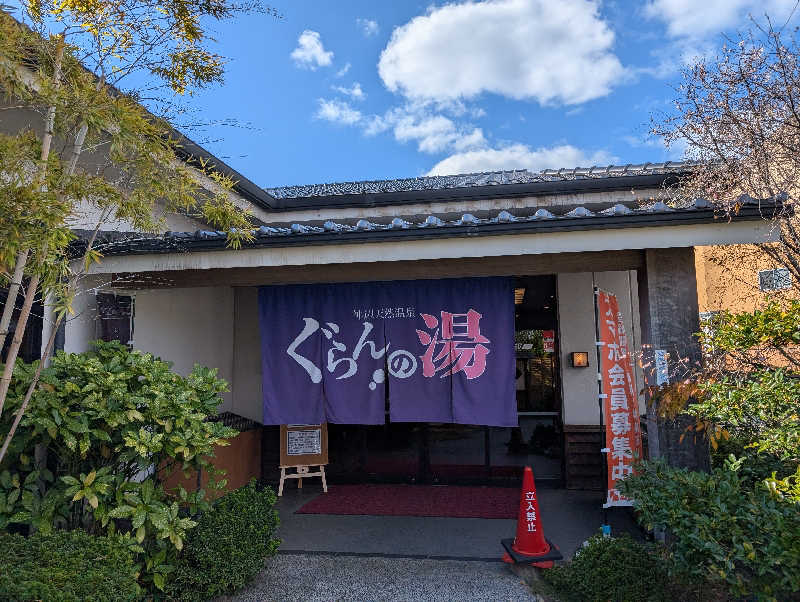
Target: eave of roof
(478, 186)
(189, 152)
(503, 223)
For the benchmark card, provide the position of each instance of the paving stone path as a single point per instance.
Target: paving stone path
(332, 577)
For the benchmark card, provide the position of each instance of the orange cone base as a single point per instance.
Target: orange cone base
(542, 561)
(532, 553)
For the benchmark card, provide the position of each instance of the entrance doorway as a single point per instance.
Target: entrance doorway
(473, 454)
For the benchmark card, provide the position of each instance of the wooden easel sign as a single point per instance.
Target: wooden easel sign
(303, 447)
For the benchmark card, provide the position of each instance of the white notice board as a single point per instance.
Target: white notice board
(301, 443)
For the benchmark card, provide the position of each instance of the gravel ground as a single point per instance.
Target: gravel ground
(330, 577)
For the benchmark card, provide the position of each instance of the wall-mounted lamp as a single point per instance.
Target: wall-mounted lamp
(579, 359)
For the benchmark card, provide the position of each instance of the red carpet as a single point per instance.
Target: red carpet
(416, 500)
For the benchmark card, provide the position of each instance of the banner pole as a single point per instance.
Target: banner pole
(598, 352)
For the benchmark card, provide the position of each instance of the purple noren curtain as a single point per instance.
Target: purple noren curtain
(440, 350)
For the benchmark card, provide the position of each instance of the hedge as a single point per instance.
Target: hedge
(229, 545)
(616, 569)
(66, 566)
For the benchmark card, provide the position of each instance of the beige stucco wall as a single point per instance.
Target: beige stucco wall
(188, 327)
(81, 326)
(577, 333)
(727, 278)
(86, 216)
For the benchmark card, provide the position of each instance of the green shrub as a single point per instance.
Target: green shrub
(724, 531)
(615, 569)
(66, 565)
(113, 425)
(228, 546)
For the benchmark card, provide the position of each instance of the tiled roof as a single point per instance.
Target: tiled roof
(486, 223)
(489, 178)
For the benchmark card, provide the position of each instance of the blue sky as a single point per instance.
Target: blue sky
(358, 90)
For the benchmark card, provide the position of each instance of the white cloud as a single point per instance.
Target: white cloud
(368, 27)
(310, 53)
(696, 27)
(423, 124)
(519, 156)
(555, 53)
(436, 133)
(413, 122)
(432, 131)
(337, 111)
(343, 71)
(699, 19)
(355, 92)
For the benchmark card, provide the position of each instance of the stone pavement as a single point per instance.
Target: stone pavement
(569, 518)
(335, 557)
(330, 577)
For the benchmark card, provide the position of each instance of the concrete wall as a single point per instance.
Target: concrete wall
(668, 294)
(187, 327)
(577, 333)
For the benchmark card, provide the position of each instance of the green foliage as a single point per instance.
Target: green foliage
(29, 216)
(532, 337)
(616, 569)
(751, 389)
(750, 393)
(66, 566)
(228, 546)
(737, 528)
(760, 408)
(727, 532)
(115, 39)
(109, 426)
(777, 324)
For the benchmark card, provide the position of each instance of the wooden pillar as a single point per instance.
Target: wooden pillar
(670, 318)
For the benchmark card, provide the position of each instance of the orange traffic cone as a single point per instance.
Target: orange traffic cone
(530, 545)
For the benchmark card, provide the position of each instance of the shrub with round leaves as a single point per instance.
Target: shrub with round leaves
(108, 426)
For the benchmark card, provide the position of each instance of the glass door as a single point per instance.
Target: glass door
(457, 453)
(537, 441)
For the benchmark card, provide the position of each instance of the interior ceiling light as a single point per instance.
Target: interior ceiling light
(519, 295)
